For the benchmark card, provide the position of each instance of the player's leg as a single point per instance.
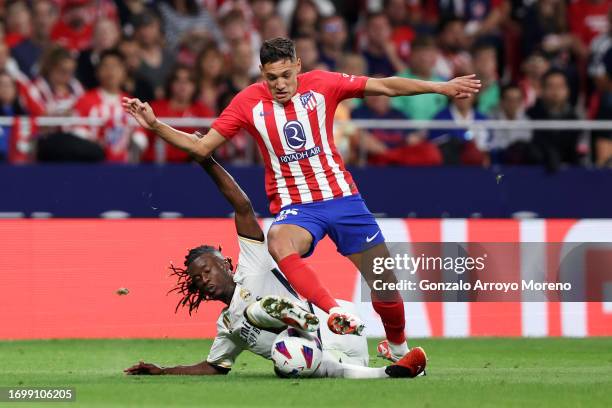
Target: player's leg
(409, 366)
(388, 304)
(294, 234)
(348, 349)
(358, 236)
(276, 312)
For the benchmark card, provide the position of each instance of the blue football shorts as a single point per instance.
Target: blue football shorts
(347, 221)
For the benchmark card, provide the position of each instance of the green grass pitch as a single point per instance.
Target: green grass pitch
(462, 372)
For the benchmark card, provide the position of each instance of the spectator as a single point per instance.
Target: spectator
(239, 77)
(286, 8)
(241, 149)
(305, 19)
(453, 43)
(106, 36)
(602, 139)
(56, 89)
(127, 10)
(599, 47)
(209, 71)
(134, 84)
(262, 10)
(183, 16)
(333, 37)
(155, 60)
(392, 146)
(28, 52)
(18, 23)
(485, 64)
(422, 62)
(273, 27)
(235, 32)
(345, 132)
(534, 68)
(545, 28)
(555, 146)
(8, 65)
(74, 29)
(588, 19)
(379, 52)
(10, 106)
(306, 50)
(482, 17)
(461, 146)
(512, 146)
(121, 143)
(181, 102)
(402, 33)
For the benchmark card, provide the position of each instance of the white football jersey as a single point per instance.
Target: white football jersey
(257, 276)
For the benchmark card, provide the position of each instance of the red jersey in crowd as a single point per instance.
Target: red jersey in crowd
(588, 18)
(160, 152)
(114, 135)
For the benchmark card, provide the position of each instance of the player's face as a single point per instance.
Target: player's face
(281, 77)
(210, 274)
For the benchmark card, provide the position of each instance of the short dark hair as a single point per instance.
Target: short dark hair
(509, 87)
(277, 49)
(445, 22)
(552, 72)
(423, 41)
(482, 46)
(111, 53)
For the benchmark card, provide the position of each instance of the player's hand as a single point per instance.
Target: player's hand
(143, 368)
(141, 111)
(461, 87)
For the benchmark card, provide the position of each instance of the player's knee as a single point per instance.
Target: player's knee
(279, 247)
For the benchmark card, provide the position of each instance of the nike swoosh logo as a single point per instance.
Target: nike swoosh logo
(266, 113)
(370, 239)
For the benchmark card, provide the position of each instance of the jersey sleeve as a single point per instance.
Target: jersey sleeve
(224, 350)
(232, 119)
(344, 86)
(254, 258)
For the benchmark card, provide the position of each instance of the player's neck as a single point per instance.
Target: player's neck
(228, 294)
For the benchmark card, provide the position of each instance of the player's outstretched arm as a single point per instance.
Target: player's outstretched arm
(198, 147)
(460, 87)
(203, 368)
(246, 222)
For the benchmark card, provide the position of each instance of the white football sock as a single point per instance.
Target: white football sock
(332, 368)
(261, 319)
(398, 350)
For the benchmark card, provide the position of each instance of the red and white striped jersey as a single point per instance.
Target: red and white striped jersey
(115, 135)
(296, 139)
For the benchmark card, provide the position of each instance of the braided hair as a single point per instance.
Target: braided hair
(185, 285)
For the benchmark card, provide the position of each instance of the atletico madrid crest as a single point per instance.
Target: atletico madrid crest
(308, 101)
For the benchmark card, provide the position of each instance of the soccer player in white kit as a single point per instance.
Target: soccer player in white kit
(261, 303)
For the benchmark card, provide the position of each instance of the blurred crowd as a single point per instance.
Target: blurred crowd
(541, 60)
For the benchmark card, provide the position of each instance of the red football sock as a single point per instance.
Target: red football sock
(393, 319)
(303, 278)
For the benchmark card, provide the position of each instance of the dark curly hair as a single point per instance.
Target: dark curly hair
(185, 285)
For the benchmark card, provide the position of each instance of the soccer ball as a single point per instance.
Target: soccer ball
(296, 356)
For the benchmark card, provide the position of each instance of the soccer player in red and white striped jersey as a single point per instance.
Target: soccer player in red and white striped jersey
(290, 115)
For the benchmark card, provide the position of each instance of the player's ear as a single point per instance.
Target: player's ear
(298, 65)
(229, 263)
